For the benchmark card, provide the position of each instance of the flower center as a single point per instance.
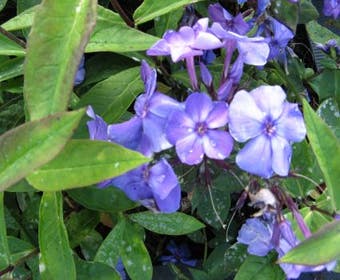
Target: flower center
(269, 127)
(201, 128)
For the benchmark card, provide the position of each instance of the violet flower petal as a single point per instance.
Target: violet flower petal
(218, 116)
(256, 157)
(97, 127)
(217, 144)
(198, 106)
(190, 149)
(179, 126)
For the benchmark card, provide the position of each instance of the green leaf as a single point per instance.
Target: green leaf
(80, 224)
(8, 47)
(85, 162)
(134, 254)
(90, 245)
(23, 5)
(167, 21)
(320, 34)
(109, 251)
(151, 9)
(325, 245)
(110, 199)
(171, 224)
(19, 249)
(56, 261)
(58, 37)
(2, 4)
(4, 255)
(94, 270)
(307, 12)
(258, 268)
(11, 68)
(21, 21)
(327, 84)
(111, 97)
(286, 12)
(33, 144)
(329, 112)
(326, 147)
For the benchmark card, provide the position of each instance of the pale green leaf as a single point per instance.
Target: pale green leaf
(8, 47)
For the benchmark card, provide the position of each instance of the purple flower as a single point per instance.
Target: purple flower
(157, 183)
(271, 124)
(97, 127)
(257, 235)
(80, 75)
(254, 51)
(331, 8)
(227, 21)
(187, 42)
(330, 44)
(179, 254)
(194, 129)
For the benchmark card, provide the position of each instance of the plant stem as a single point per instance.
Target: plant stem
(12, 37)
(115, 4)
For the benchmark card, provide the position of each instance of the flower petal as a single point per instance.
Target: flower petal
(217, 144)
(161, 47)
(269, 99)
(162, 105)
(97, 127)
(254, 51)
(281, 155)
(206, 41)
(190, 149)
(245, 118)
(179, 126)
(256, 157)
(198, 106)
(218, 116)
(290, 125)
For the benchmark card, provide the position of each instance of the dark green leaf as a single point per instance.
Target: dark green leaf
(111, 97)
(80, 224)
(23, 5)
(24, 20)
(325, 245)
(11, 68)
(83, 163)
(8, 47)
(326, 147)
(320, 34)
(167, 21)
(286, 12)
(58, 37)
(329, 112)
(94, 270)
(56, 261)
(2, 4)
(171, 224)
(259, 268)
(307, 12)
(4, 255)
(151, 9)
(31, 145)
(109, 199)
(20, 249)
(90, 245)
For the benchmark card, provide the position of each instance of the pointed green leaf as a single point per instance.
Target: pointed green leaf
(11, 68)
(58, 37)
(8, 47)
(112, 97)
(326, 147)
(134, 254)
(325, 245)
(83, 163)
(110, 200)
(4, 250)
(171, 224)
(151, 9)
(33, 144)
(19, 249)
(330, 113)
(21, 21)
(56, 261)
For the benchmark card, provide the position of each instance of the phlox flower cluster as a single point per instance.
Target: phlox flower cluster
(206, 124)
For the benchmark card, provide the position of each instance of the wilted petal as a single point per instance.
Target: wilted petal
(198, 106)
(281, 155)
(290, 125)
(97, 127)
(127, 134)
(256, 157)
(179, 126)
(218, 116)
(217, 144)
(190, 149)
(245, 118)
(269, 99)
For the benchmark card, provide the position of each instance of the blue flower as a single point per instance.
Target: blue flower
(179, 254)
(331, 8)
(271, 124)
(80, 75)
(193, 130)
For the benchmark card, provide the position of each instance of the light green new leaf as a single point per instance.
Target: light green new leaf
(27, 147)
(8, 47)
(151, 9)
(56, 261)
(58, 37)
(111, 97)
(83, 163)
(5, 255)
(326, 148)
(171, 224)
(11, 68)
(325, 245)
